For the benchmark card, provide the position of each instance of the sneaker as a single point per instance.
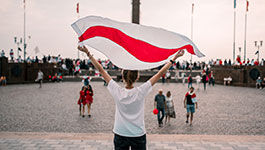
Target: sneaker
(187, 121)
(83, 116)
(89, 116)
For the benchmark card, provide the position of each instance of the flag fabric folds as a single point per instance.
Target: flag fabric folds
(131, 46)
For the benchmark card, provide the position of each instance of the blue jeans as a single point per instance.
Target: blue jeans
(189, 84)
(160, 119)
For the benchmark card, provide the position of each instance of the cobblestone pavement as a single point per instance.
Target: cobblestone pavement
(90, 141)
(222, 110)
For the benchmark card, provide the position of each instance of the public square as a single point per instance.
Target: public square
(223, 110)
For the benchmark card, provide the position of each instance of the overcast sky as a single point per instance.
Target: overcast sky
(48, 22)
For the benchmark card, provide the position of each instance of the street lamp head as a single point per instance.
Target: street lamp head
(255, 43)
(261, 43)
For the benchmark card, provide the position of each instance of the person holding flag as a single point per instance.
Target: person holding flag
(129, 129)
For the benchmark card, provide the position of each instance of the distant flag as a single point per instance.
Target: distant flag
(234, 3)
(256, 52)
(15, 39)
(20, 40)
(77, 8)
(36, 49)
(192, 7)
(247, 5)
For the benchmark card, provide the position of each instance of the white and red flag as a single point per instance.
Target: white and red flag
(131, 46)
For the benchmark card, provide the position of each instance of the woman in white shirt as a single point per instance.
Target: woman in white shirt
(129, 128)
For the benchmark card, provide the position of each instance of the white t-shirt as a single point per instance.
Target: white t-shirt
(129, 114)
(40, 75)
(169, 101)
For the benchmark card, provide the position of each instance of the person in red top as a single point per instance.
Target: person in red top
(89, 98)
(220, 62)
(82, 101)
(256, 63)
(189, 101)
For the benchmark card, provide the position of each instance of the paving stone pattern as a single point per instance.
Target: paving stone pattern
(223, 110)
(48, 144)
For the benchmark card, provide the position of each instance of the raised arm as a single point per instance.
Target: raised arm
(163, 70)
(98, 66)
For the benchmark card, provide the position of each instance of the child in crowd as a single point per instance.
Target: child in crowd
(82, 101)
(3, 81)
(170, 112)
(189, 101)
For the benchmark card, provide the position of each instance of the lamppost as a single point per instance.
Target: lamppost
(258, 46)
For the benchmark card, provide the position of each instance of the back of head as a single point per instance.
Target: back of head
(168, 94)
(130, 76)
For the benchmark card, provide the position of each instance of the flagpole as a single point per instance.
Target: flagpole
(77, 10)
(234, 44)
(245, 49)
(24, 31)
(191, 33)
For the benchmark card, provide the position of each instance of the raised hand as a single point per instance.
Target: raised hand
(84, 49)
(179, 54)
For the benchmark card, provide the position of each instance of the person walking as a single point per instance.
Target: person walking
(198, 81)
(168, 76)
(82, 101)
(39, 78)
(160, 104)
(189, 101)
(189, 81)
(129, 129)
(183, 77)
(89, 99)
(211, 79)
(204, 80)
(170, 112)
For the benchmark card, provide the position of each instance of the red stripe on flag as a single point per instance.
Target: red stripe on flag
(141, 50)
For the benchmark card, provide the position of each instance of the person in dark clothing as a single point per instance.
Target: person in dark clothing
(160, 102)
(204, 80)
(189, 81)
(189, 102)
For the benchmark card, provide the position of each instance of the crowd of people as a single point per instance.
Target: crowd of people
(74, 66)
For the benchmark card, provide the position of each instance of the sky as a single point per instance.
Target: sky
(48, 23)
